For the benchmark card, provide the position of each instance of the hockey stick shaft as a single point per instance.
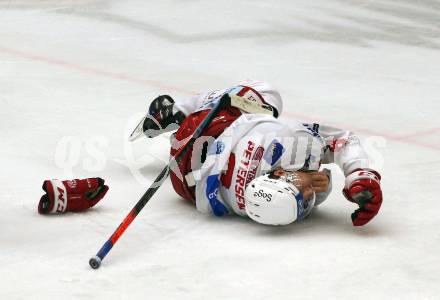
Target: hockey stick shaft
(95, 261)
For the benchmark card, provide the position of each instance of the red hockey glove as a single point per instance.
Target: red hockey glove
(71, 195)
(363, 188)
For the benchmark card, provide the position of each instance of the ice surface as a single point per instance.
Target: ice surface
(75, 75)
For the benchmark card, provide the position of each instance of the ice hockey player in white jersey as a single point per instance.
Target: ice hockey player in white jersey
(256, 165)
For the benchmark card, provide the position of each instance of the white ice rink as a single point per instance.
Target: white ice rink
(75, 75)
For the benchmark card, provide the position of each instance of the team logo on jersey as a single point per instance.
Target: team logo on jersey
(220, 147)
(216, 148)
(274, 152)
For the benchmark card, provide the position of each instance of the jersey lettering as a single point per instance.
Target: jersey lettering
(242, 175)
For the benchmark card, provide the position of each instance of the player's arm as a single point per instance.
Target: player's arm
(362, 184)
(321, 184)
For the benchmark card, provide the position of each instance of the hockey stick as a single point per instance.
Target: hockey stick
(226, 100)
(95, 261)
(249, 106)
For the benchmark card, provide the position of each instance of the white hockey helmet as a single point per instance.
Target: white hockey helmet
(275, 201)
(270, 95)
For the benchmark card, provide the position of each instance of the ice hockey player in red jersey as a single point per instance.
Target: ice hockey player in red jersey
(258, 166)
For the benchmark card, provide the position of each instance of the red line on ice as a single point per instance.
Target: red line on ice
(407, 139)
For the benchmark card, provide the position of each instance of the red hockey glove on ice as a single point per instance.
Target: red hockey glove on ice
(71, 195)
(363, 188)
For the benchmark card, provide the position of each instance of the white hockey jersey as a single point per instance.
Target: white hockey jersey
(256, 144)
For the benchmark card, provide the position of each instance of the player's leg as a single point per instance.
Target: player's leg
(186, 165)
(162, 117)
